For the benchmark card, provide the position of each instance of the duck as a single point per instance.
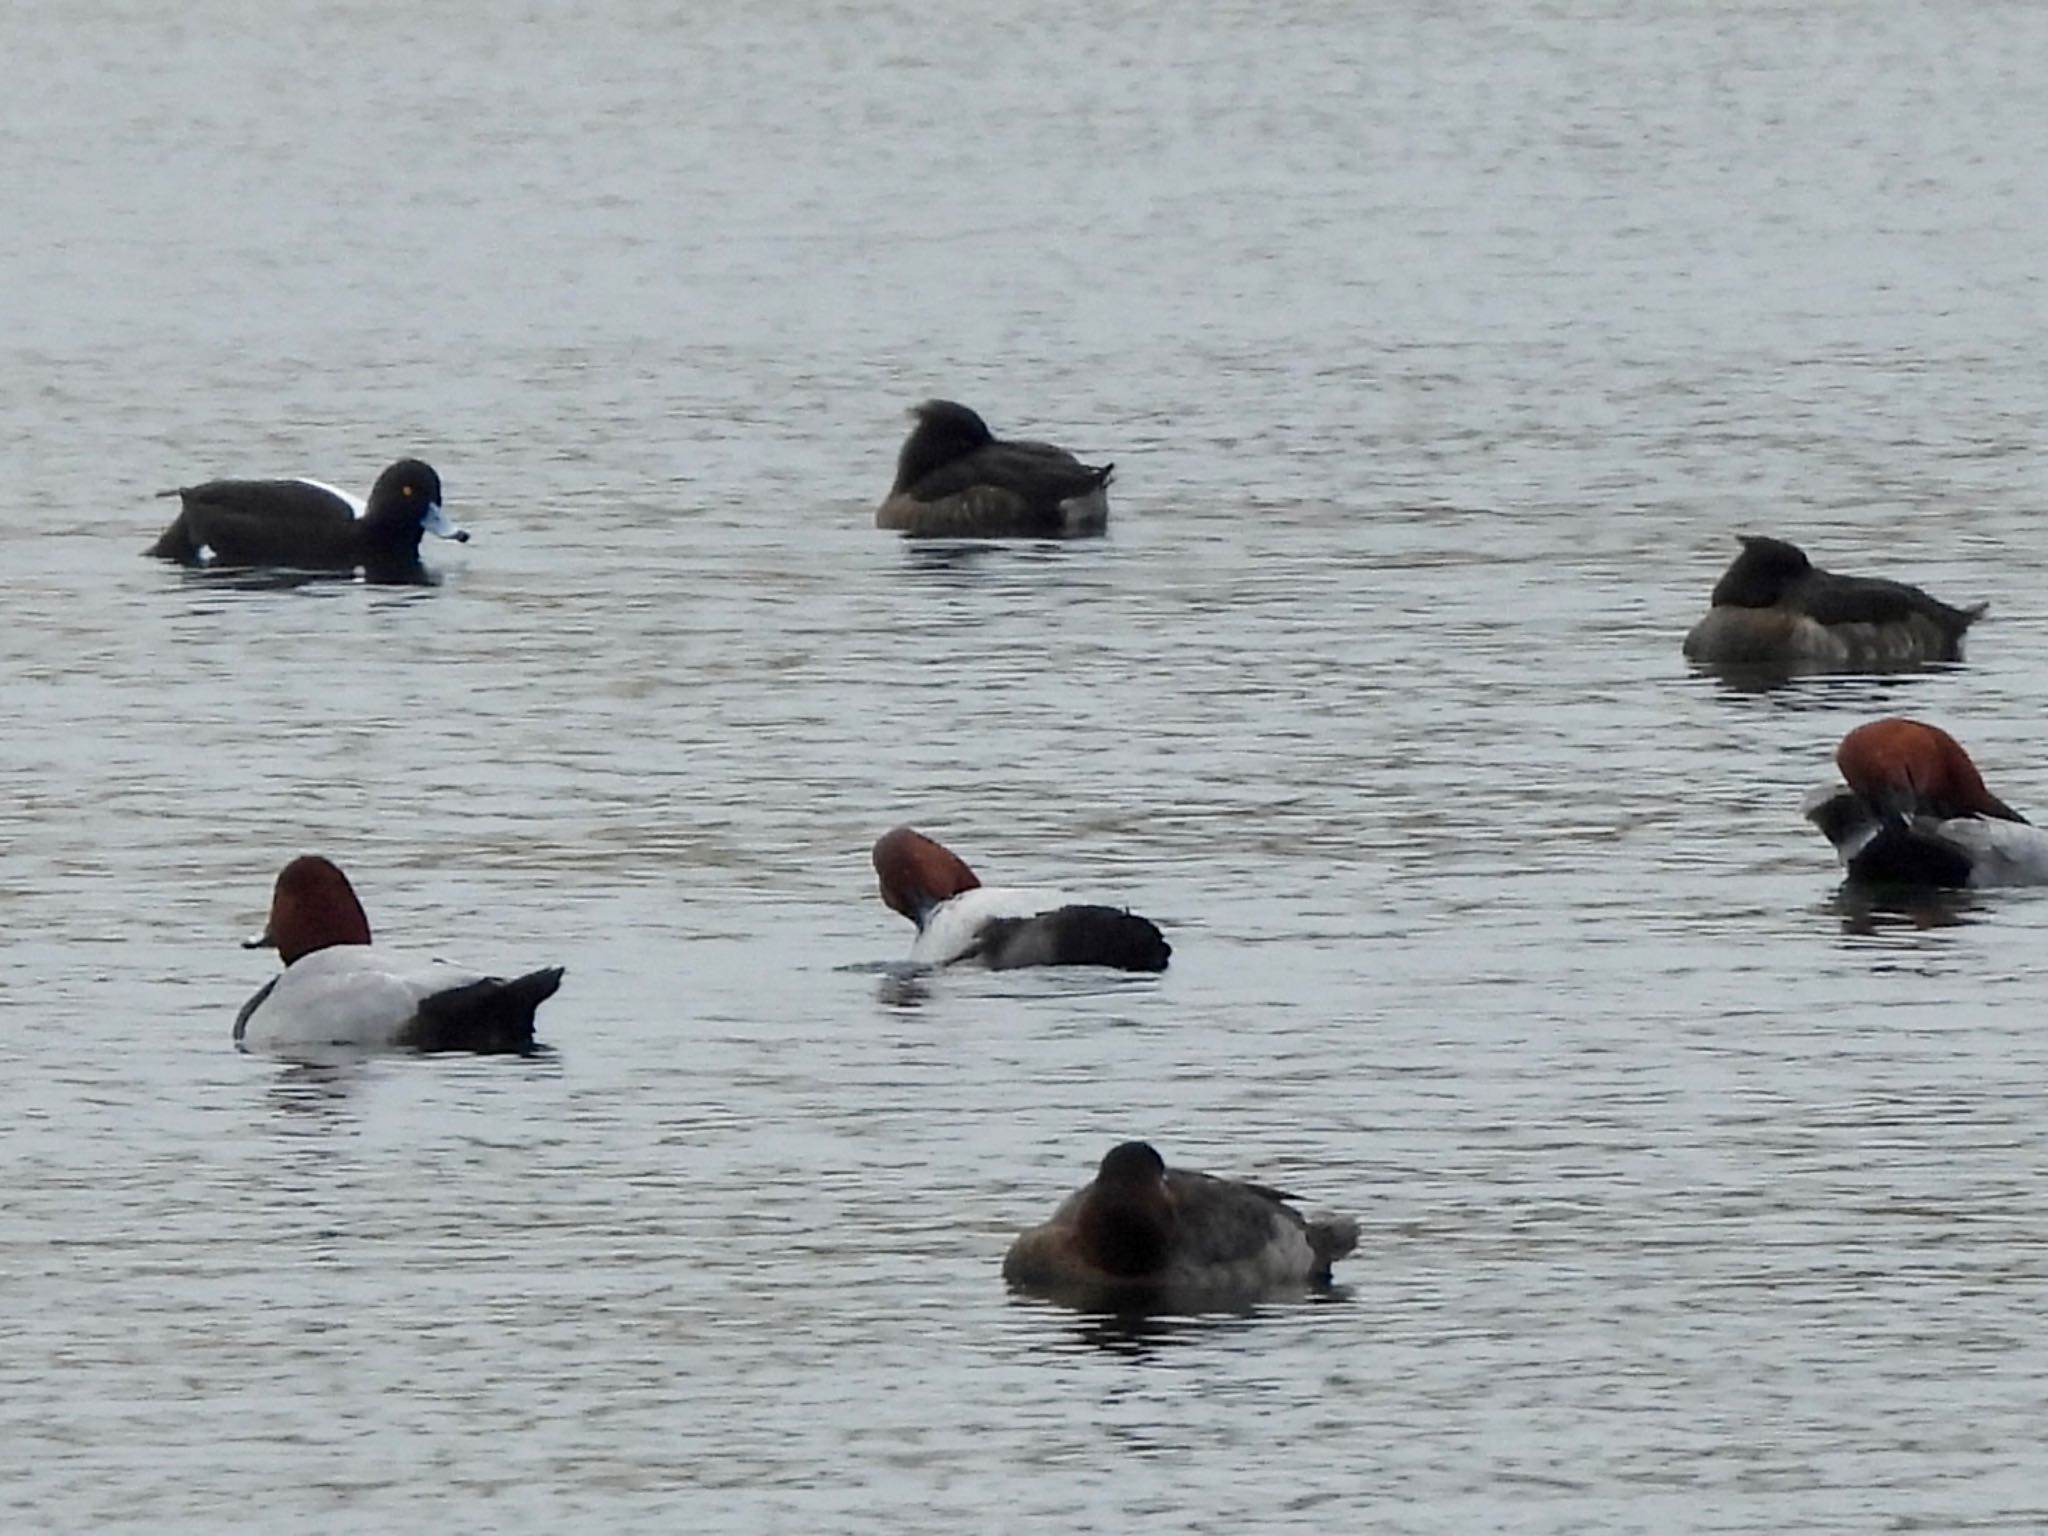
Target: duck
(335, 991)
(1773, 606)
(956, 479)
(960, 919)
(308, 524)
(1913, 810)
(1143, 1236)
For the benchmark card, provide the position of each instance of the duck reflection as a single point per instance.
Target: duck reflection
(962, 564)
(1808, 688)
(1134, 1333)
(318, 1092)
(284, 579)
(1867, 911)
(904, 987)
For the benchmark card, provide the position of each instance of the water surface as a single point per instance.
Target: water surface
(1441, 352)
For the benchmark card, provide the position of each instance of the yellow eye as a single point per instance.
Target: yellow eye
(405, 490)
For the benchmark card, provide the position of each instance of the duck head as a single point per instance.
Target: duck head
(313, 907)
(1761, 573)
(1126, 1223)
(1907, 767)
(407, 496)
(917, 873)
(945, 431)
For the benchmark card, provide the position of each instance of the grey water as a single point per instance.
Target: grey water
(1441, 349)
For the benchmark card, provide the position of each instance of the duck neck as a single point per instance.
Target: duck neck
(393, 528)
(1126, 1235)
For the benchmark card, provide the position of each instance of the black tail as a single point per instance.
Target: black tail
(492, 1016)
(176, 542)
(1951, 621)
(1076, 935)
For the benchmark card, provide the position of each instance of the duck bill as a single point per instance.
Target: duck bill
(442, 526)
(261, 940)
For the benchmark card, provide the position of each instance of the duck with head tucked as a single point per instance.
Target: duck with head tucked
(1774, 607)
(310, 525)
(1142, 1236)
(1913, 810)
(335, 992)
(956, 479)
(960, 919)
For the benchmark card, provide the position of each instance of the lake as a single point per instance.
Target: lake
(1441, 350)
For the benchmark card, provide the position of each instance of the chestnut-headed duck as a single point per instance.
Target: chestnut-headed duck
(333, 991)
(955, 479)
(1142, 1236)
(308, 525)
(958, 918)
(1774, 607)
(1913, 810)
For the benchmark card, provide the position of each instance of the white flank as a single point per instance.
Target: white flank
(2001, 852)
(354, 504)
(343, 995)
(954, 927)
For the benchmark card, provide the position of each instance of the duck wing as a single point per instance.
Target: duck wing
(1038, 474)
(1222, 1221)
(258, 521)
(1831, 599)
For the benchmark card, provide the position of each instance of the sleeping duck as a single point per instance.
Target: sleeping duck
(1913, 810)
(956, 479)
(1141, 1236)
(1775, 607)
